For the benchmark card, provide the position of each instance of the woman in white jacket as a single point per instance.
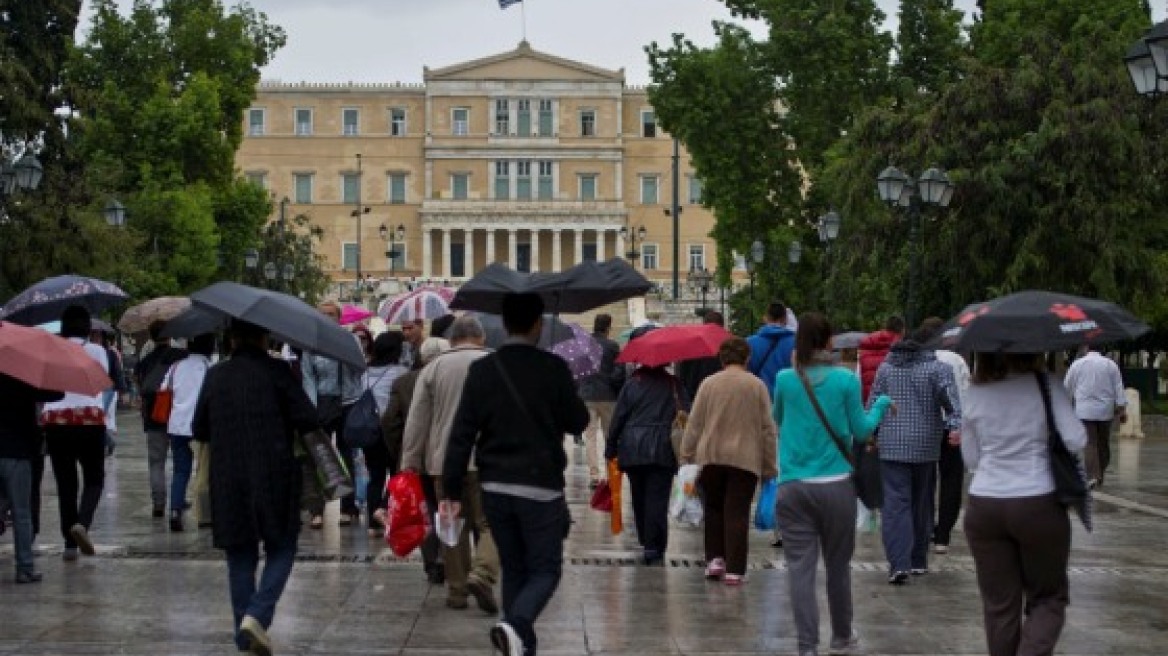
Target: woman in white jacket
(1018, 532)
(186, 379)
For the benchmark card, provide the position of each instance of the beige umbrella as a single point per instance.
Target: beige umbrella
(139, 318)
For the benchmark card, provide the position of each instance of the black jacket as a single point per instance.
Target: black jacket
(20, 436)
(691, 373)
(150, 372)
(643, 419)
(512, 445)
(605, 384)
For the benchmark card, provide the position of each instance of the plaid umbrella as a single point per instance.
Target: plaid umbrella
(47, 300)
(581, 352)
(139, 318)
(424, 303)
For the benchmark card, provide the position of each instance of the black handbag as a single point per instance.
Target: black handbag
(1070, 477)
(865, 466)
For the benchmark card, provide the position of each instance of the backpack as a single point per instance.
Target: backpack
(363, 425)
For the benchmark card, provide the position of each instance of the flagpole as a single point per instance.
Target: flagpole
(523, 13)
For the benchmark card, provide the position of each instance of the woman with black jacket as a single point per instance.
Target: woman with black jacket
(639, 440)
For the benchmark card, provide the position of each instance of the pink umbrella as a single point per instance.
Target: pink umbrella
(423, 303)
(49, 362)
(582, 353)
(353, 314)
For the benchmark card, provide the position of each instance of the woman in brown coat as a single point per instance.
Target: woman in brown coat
(732, 436)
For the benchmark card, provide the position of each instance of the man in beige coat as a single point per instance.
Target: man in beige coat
(427, 433)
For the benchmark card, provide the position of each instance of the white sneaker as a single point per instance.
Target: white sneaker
(505, 640)
(715, 569)
(940, 548)
(257, 638)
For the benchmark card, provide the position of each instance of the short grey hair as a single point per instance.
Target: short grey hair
(465, 329)
(431, 348)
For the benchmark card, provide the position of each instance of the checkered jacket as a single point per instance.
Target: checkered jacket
(927, 404)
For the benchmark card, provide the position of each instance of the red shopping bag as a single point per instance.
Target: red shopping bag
(407, 517)
(602, 497)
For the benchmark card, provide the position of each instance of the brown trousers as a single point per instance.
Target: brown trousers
(459, 564)
(726, 495)
(1020, 547)
(1097, 453)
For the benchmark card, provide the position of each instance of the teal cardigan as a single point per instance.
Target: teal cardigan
(805, 448)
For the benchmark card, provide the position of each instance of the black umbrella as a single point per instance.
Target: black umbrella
(584, 287)
(194, 321)
(554, 331)
(288, 318)
(47, 300)
(1036, 322)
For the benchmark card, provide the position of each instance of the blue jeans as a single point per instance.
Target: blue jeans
(907, 514)
(184, 458)
(16, 483)
(246, 598)
(530, 538)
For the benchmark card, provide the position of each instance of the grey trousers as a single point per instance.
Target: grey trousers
(819, 517)
(157, 446)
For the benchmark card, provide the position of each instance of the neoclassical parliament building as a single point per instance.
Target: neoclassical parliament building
(523, 158)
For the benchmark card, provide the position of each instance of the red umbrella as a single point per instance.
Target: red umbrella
(49, 362)
(675, 343)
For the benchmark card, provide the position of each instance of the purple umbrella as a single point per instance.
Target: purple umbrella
(581, 352)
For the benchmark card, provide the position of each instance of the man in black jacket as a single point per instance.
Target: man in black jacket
(151, 376)
(517, 405)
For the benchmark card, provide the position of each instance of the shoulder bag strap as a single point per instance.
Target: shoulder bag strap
(676, 398)
(767, 356)
(1051, 427)
(839, 443)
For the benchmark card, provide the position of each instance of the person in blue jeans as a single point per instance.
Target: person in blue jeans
(249, 412)
(517, 404)
(185, 379)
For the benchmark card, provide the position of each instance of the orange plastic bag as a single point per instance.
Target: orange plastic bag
(408, 518)
(615, 478)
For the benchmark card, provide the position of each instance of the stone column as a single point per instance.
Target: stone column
(620, 244)
(557, 250)
(534, 232)
(600, 234)
(446, 253)
(579, 247)
(427, 256)
(468, 252)
(512, 249)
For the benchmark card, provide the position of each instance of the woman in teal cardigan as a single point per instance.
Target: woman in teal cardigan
(817, 500)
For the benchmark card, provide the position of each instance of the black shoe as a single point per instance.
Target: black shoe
(29, 577)
(483, 594)
(777, 543)
(176, 523)
(159, 511)
(898, 578)
(436, 575)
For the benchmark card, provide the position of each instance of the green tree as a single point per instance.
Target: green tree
(929, 46)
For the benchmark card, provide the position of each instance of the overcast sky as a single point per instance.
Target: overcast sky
(391, 40)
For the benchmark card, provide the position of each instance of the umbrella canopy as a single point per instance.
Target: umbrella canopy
(584, 287)
(1035, 322)
(424, 303)
(290, 319)
(554, 331)
(582, 353)
(47, 300)
(139, 318)
(193, 322)
(94, 326)
(353, 314)
(44, 360)
(675, 343)
(848, 340)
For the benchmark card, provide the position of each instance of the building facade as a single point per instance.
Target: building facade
(522, 158)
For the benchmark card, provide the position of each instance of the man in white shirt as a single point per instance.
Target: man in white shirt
(1096, 389)
(950, 466)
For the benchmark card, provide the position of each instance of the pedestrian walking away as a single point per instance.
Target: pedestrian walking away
(732, 437)
(384, 370)
(771, 347)
(820, 418)
(599, 392)
(186, 381)
(1018, 532)
(249, 413)
(693, 372)
(150, 373)
(950, 466)
(517, 405)
(1096, 389)
(874, 348)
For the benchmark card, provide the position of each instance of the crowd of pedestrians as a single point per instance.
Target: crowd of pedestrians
(485, 431)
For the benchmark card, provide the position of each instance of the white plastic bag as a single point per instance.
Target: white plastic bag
(685, 507)
(448, 528)
(866, 520)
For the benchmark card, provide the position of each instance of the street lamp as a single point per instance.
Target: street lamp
(356, 213)
(1147, 61)
(698, 280)
(251, 260)
(270, 272)
(23, 174)
(898, 189)
(633, 238)
(757, 254)
(289, 273)
(393, 236)
(828, 228)
(115, 213)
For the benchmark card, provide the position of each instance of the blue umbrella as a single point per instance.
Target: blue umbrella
(47, 300)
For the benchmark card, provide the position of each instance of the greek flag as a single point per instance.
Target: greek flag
(503, 4)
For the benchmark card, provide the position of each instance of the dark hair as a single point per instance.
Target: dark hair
(714, 317)
(992, 367)
(895, 324)
(156, 331)
(521, 312)
(814, 334)
(244, 332)
(602, 323)
(734, 350)
(933, 323)
(75, 322)
(203, 344)
(387, 348)
(922, 335)
(776, 311)
(440, 326)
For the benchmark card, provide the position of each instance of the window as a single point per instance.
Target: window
(523, 184)
(459, 184)
(648, 124)
(350, 188)
(303, 121)
(648, 190)
(348, 255)
(502, 180)
(588, 252)
(524, 118)
(503, 116)
(397, 122)
(695, 190)
(350, 119)
(546, 121)
(397, 188)
(303, 187)
(461, 121)
(697, 257)
(257, 178)
(545, 180)
(648, 257)
(588, 123)
(255, 122)
(588, 186)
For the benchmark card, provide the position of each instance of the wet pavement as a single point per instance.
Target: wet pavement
(150, 591)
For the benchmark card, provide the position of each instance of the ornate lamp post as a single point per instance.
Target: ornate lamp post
(633, 237)
(115, 213)
(251, 261)
(393, 236)
(757, 255)
(828, 228)
(698, 281)
(1147, 61)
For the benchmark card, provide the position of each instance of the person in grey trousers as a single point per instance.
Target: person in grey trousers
(151, 375)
